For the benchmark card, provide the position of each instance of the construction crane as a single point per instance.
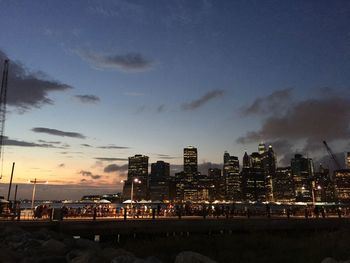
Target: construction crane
(332, 155)
(3, 97)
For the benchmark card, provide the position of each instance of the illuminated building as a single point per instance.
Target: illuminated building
(138, 168)
(303, 173)
(253, 178)
(190, 162)
(347, 160)
(218, 190)
(232, 177)
(342, 185)
(283, 185)
(159, 181)
(323, 186)
(268, 160)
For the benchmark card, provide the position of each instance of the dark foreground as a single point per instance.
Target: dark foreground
(254, 240)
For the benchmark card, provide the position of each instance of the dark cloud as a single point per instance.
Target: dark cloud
(202, 100)
(274, 103)
(107, 159)
(115, 168)
(113, 147)
(160, 108)
(51, 142)
(85, 145)
(10, 142)
(27, 90)
(87, 98)
(124, 62)
(308, 122)
(58, 132)
(61, 165)
(166, 156)
(90, 174)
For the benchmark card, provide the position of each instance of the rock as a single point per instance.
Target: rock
(127, 259)
(192, 257)
(30, 245)
(89, 257)
(8, 256)
(87, 244)
(153, 259)
(53, 246)
(329, 260)
(111, 253)
(52, 259)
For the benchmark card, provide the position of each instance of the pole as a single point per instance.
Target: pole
(33, 194)
(15, 199)
(131, 196)
(10, 185)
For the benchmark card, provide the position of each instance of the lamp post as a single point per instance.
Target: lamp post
(137, 181)
(34, 182)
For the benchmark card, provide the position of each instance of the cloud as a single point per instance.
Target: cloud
(273, 103)
(167, 157)
(27, 90)
(89, 174)
(134, 94)
(160, 108)
(85, 145)
(58, 132)
(113, 147)
(10, 142)
(107, 159)
(115, 168)
(51, 142)
(123, 62)
(87, 98)
(307, 122)
(202, 100)
(61, 165)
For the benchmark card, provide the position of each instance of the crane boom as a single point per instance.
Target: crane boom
(3, 98)
(332, 155)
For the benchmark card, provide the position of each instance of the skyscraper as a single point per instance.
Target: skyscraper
(233, 180)
(283, 185)
(342, 185)
(159, 181)
(138, 168)
(190, 161)
(303, 173)
(160, 169)
(268, 159)
(347, 160)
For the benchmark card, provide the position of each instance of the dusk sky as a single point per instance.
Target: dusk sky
(94, 82)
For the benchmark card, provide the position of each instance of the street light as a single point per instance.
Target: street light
(137, 181)
(34, 182)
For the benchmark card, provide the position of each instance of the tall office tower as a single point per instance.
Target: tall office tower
(233, 180)
(160, 169)
(347, 160)
(159, 181)
(253, 179)
(342, 185)
(283, 185)
(218, 190)
(247, 162)
(323, 186)
(190, 160)
(261, 148)
(303, 173)
(138, 169)
(268, 159)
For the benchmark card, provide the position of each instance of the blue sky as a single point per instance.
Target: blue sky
(155, 76)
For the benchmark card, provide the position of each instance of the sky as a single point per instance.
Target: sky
(94, 82)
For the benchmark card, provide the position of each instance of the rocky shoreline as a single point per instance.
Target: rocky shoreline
(45, 246)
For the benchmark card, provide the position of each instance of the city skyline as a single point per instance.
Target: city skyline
(93, 83)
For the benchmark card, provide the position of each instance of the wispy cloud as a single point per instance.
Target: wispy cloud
(108, 159)
(202, 100)
(29, 90)
(58, 132)
(160, 108)
(85, 145)
(90, 174)
(124, 62)
(115, 168)
(113, 147)
(10, 142)
(90, 99)
(61, 165)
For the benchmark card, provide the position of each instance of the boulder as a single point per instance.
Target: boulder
(110, 253)
(87, 244)
(88, 257)
(192, 257)
(127, 259)
(53, 246)
(329, 260)
(51, 259)
(8, 256)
